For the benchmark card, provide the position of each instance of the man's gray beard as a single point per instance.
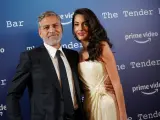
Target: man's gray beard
(53, 42)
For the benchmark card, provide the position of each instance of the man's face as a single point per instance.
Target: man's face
(50, 30)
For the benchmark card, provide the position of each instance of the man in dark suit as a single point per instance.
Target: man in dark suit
(54, 93)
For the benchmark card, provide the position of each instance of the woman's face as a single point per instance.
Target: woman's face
(81, 29)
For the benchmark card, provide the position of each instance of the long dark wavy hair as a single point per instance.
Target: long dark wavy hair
(96, 31)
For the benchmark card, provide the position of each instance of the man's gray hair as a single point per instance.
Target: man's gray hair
(47, 14)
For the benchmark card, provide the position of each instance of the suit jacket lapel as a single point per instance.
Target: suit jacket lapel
(74, 72)
(69, 58)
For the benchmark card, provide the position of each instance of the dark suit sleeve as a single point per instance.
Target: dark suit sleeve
(17, 87)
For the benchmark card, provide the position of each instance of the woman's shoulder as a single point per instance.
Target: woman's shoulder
(105, 44)
(106, 51)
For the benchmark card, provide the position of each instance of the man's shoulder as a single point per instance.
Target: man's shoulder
(70, 50)
(34, 50)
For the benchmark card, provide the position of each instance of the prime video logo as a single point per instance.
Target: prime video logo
(147, 89)
(66, 18)
(141, 38)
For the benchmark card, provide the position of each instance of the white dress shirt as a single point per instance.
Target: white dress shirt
(52, 52)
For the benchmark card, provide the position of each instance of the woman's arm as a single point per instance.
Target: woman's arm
(110, 64)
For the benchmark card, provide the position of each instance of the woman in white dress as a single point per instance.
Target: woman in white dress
(97, 66)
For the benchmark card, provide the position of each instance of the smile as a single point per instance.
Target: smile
(81, 33)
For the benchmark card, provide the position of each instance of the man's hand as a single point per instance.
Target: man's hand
(108, 87)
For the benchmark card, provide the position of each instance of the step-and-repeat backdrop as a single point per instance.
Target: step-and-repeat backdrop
(132, 25)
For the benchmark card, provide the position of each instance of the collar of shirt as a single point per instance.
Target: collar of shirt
(52, 51)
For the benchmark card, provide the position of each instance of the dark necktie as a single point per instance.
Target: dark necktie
(68, 105)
